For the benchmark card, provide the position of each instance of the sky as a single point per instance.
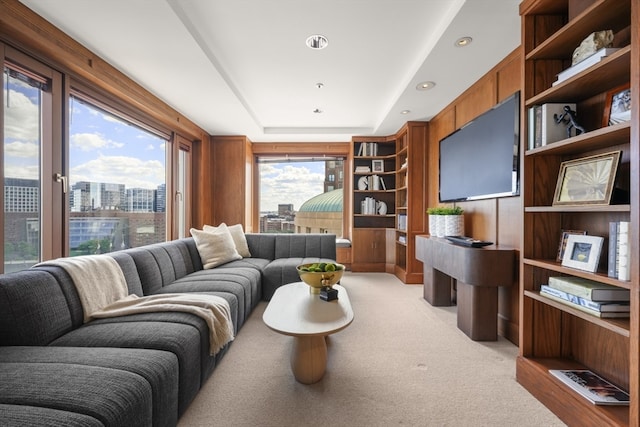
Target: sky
(105, 149)
(284, 183)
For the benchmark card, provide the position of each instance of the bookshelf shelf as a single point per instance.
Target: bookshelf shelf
(555, 335)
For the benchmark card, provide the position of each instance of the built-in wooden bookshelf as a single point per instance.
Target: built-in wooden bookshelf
(554, 335)
(390, 171)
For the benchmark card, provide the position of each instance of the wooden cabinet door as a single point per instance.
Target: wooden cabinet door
(369, 249)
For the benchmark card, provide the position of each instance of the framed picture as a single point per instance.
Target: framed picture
(564, 236)
(617, 107)
(587, 181)
(377, 166)
(583, 252)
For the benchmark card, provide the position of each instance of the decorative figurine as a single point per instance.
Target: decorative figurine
(568, 117)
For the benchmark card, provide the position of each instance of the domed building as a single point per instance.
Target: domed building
(321, 214)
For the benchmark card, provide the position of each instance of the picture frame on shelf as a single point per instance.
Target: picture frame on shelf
(587, 181)
(564, 236)
(617, 107)
(377, 166)
(583, 252)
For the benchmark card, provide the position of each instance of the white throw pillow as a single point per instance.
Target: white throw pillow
(237, 233)
(215, 247)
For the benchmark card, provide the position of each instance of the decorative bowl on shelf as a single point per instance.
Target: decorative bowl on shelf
(319, 274)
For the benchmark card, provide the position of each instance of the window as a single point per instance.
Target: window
(30, 139)
(117, 181)
(300, 195)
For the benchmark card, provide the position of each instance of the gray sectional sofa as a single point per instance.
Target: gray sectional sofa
(136, 370)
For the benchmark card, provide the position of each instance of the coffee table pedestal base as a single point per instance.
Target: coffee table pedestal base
(309, 358)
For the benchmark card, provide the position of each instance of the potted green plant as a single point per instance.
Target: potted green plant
(437, 220)
(453, 221)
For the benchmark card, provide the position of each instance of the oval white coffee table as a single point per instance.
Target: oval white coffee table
(294, 311)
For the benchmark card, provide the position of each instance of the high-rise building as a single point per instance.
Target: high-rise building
(21, 195)
(333, 175)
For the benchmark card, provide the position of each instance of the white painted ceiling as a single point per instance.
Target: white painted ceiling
(241, 67)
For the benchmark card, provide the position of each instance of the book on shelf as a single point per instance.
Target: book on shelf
(368, 149)
(589, 289)
(374, 182)
(584, 64)
(601, 314)
(592, 386)
(402, 222)
(368, 206)
(612, 267)
(363, 169)
(622, 252)
(543, 128)
(621, 307)
(383, 186)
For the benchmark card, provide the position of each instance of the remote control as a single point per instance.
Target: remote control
(468, 241)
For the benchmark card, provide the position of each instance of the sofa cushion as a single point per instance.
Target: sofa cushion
(112, 396)
(33, 308)
(243, 282)
(306, 245)
(34, 416)
(215, 247)
(158, 368)
(237, 234)
(174, 335)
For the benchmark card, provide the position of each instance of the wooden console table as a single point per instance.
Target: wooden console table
(478, 272)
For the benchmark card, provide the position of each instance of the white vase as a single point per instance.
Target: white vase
(453, 225)
(440, 226)
(432, 225)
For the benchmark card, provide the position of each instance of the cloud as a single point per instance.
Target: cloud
(92, 141)
(29, 150)
(21, 171)
(21, 117)
(290, 183)
(130, 171)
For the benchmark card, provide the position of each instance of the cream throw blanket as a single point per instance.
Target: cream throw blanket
(98, 279)
(103, 290)
(213, 309)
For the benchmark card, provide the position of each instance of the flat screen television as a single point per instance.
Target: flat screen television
(481, 159)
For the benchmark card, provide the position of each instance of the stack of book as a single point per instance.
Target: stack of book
(543, 128)
(363, 169)
(368, 149)
(597, 299)
(619, 235)
(402, 222)
(368, 206)
(584, 64)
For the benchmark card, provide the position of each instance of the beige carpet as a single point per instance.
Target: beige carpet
(401, 362)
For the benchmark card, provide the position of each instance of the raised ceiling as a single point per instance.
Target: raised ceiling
(241, 67)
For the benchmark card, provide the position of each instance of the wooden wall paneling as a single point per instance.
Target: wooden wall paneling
(229, 186)
(496, 220)
(249, 207)
(476, 100)
(509, 75)
(201, 197)
(440, 126)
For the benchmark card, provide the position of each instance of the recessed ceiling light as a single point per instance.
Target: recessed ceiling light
(463, 41)
(319, 85)
(405, 111)
(317, 111)
(317, 41)
(425, 85)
